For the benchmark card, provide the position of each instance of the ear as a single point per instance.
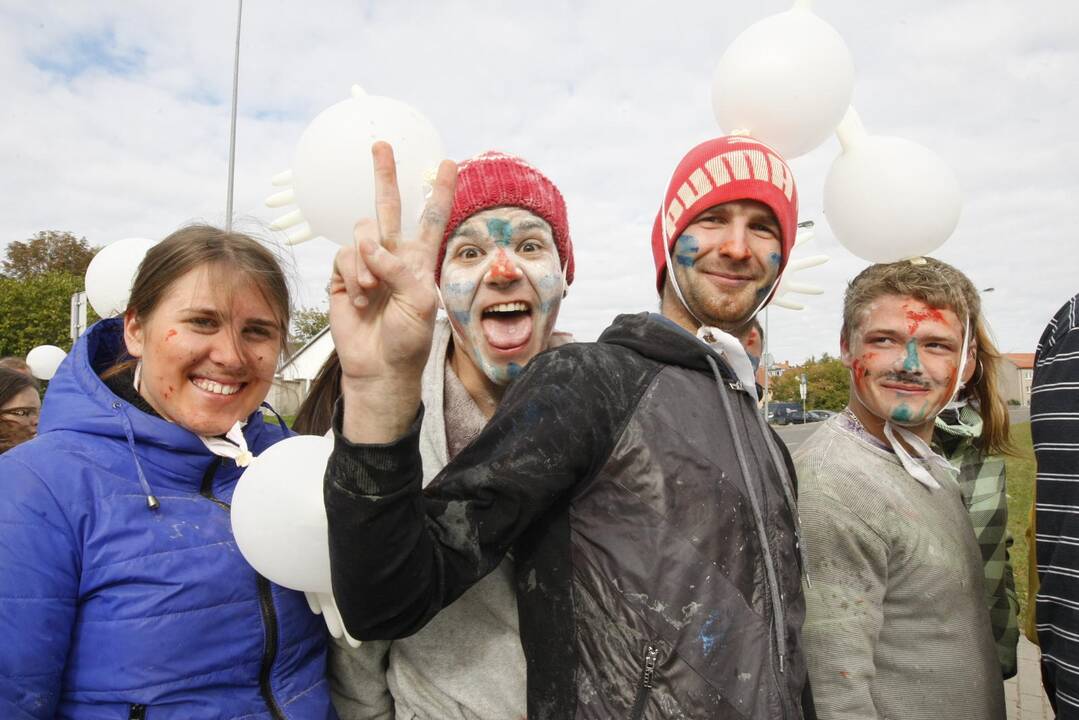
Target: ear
(844, 353)
(972, 363)
(134, 334)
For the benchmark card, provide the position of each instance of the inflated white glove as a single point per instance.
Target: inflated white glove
(323, 604)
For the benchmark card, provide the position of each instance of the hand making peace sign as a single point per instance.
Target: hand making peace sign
(383, 304)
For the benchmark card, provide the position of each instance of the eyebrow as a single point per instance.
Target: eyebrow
(213, 312)
(901, 332)
(531, 224)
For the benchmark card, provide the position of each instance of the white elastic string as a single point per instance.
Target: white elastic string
(914, 466)
(235, 450)
(731, 349)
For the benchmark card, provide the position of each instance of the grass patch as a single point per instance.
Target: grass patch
(271, 418)
(1022, 472)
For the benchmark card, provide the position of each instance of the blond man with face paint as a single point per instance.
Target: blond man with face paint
(503, 266)
(896, 624)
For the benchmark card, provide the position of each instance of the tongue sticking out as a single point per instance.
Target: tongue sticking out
(506, 331)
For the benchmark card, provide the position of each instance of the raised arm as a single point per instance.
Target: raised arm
(382, 307)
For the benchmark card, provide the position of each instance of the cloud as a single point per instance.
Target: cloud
(116, 123)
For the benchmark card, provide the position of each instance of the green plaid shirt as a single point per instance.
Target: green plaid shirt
(983, 483)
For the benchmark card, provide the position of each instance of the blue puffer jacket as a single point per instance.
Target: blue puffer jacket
(109, 609)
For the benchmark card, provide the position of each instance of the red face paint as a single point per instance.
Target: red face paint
(504, 268)
(170, 334)
(917, 317)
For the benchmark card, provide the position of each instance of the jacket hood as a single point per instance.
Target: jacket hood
(78, 400)
(658, 338)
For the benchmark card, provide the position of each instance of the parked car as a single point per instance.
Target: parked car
(778, 411)
(797, 417)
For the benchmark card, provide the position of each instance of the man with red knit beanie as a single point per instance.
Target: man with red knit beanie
(505, 261)
(648, 509)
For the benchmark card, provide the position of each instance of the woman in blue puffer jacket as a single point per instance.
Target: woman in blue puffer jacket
(122, 591)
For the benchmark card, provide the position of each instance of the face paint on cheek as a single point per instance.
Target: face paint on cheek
(170, 334)
(912, 363)
(685, 250)
(774, 258)
(457, 295)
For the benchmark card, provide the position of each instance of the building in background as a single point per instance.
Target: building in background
(293, 381)
(1016, 374)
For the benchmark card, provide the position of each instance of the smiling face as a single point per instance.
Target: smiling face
(727, 260)
(904, 357)
(502, 286)
(207, 357)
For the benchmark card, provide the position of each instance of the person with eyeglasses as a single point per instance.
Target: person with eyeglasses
(20, 406)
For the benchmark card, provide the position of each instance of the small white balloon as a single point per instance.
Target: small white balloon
(44, 361)
(111, 273)
(888, 198)
(278, 516)
(333, 174)
(787, 80)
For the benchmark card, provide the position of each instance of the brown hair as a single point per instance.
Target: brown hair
(16, 363)
(13, 382)
(316, 411)
(226, 254)
(940, 285)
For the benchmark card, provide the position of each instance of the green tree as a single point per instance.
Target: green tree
(307, 323)
(827, 380)
(48, 251)
(36, 311)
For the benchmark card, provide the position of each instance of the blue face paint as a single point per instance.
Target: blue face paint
(685, 250)
(459, 288)
(513, 370)
(775, 258)
(901, 413)
(463, 317)
(500, 231)
(912, 364)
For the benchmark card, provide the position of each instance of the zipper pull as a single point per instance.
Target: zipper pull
(651, 654)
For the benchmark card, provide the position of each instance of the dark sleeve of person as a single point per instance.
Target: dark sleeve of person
(399, 554)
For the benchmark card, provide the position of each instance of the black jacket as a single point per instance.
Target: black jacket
(643, 498)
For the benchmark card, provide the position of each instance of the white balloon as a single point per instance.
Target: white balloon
(333, 174)
(278, 517)
(887, 199)
(44, 360)
(111, 273)
(787, 80)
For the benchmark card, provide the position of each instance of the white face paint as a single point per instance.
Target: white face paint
(502, 286)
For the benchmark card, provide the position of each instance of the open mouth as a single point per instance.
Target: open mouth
(507, 326)
(217, 388)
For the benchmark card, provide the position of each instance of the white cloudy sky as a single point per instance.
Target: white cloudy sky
(116, 116)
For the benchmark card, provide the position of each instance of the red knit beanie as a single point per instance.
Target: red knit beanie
(494, 179)
(723, 170)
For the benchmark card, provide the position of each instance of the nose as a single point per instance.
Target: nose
(225, 351)
(735, 241)
(503, 270)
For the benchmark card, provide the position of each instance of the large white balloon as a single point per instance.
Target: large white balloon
(333, 174)
(278, 517)
(887, 199)
(44, 360)
(111, 273)
(787, 80)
